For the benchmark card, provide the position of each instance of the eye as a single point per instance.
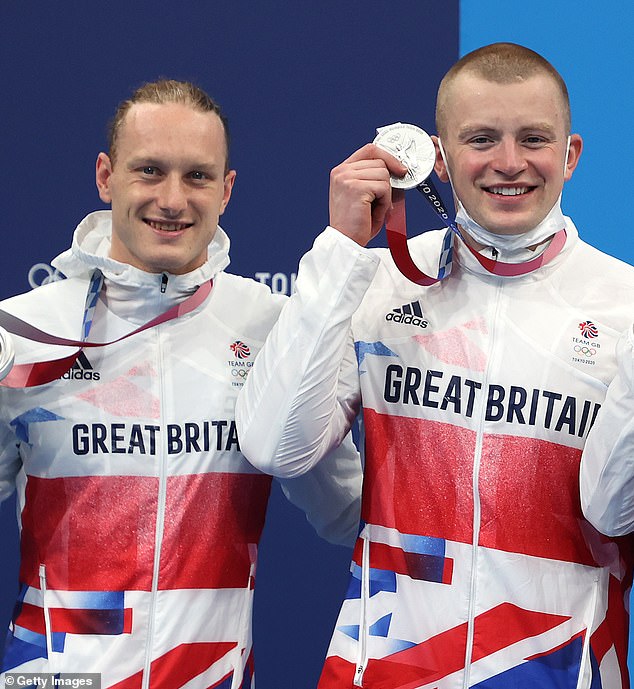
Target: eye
(535, 140)
(198, 175)
(481, 140)
(149, 170)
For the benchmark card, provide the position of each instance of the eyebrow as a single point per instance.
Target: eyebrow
(152, 161)
(466, 130)
(469, 129)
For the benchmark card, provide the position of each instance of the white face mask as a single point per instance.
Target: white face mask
(550, 225)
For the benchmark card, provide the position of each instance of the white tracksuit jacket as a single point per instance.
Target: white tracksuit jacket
(140, 517)
(607, 463)
(474, 566)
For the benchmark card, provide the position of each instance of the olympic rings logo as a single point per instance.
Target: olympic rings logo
(42, 274)
(586, 351)
(239, 372)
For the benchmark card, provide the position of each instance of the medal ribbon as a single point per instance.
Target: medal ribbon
(396, 229)
(40, 372)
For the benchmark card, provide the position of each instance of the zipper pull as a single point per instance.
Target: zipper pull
(163, 283)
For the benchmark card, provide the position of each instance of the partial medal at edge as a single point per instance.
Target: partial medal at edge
(413, 147)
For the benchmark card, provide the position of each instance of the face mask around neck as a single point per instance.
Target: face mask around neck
(550, 225)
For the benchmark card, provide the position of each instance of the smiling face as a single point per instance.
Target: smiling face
(167, 186)
(506, 146)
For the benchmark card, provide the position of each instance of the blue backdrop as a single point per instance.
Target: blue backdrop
(304, 84)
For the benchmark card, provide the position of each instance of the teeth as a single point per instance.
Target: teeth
(166, 227)
(508, 191)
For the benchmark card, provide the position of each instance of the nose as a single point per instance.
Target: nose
(509, 158)
(172, 196)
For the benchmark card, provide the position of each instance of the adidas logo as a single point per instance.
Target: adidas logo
(408, 314)
(82, 370)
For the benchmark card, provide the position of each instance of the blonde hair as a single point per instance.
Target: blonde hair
(165, 91)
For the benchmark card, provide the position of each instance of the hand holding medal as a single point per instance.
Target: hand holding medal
(413, 147)
(361, 194)
(367, 189)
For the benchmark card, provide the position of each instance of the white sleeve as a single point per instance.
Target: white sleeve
(9, 468)
(302, 395)
(607, 463)
(330, 494)
(10, 462)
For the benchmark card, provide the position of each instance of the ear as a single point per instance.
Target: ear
(103, 172)
(439, 166)
(574, 153)
(230, 178)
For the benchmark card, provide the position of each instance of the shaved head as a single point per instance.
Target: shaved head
(500, 63)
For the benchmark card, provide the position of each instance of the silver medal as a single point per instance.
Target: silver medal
(413, 147)
(6, 353)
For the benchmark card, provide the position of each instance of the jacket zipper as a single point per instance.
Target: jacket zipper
(362, 655)
(477, 514)
(585, 665)
(160, 512)
(47, 618)
(245, 645)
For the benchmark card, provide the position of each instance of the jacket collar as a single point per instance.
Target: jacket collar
(130, 292)
(469, 262)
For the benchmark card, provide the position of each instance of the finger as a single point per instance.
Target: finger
(373, 152)
(380, 206)
(359, 173)
(367, 186)
(365, 164)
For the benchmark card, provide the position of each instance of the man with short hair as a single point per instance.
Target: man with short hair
(474, 566)
(140, 517)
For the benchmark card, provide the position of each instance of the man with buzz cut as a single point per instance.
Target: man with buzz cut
(140, 517)
(474, 566)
